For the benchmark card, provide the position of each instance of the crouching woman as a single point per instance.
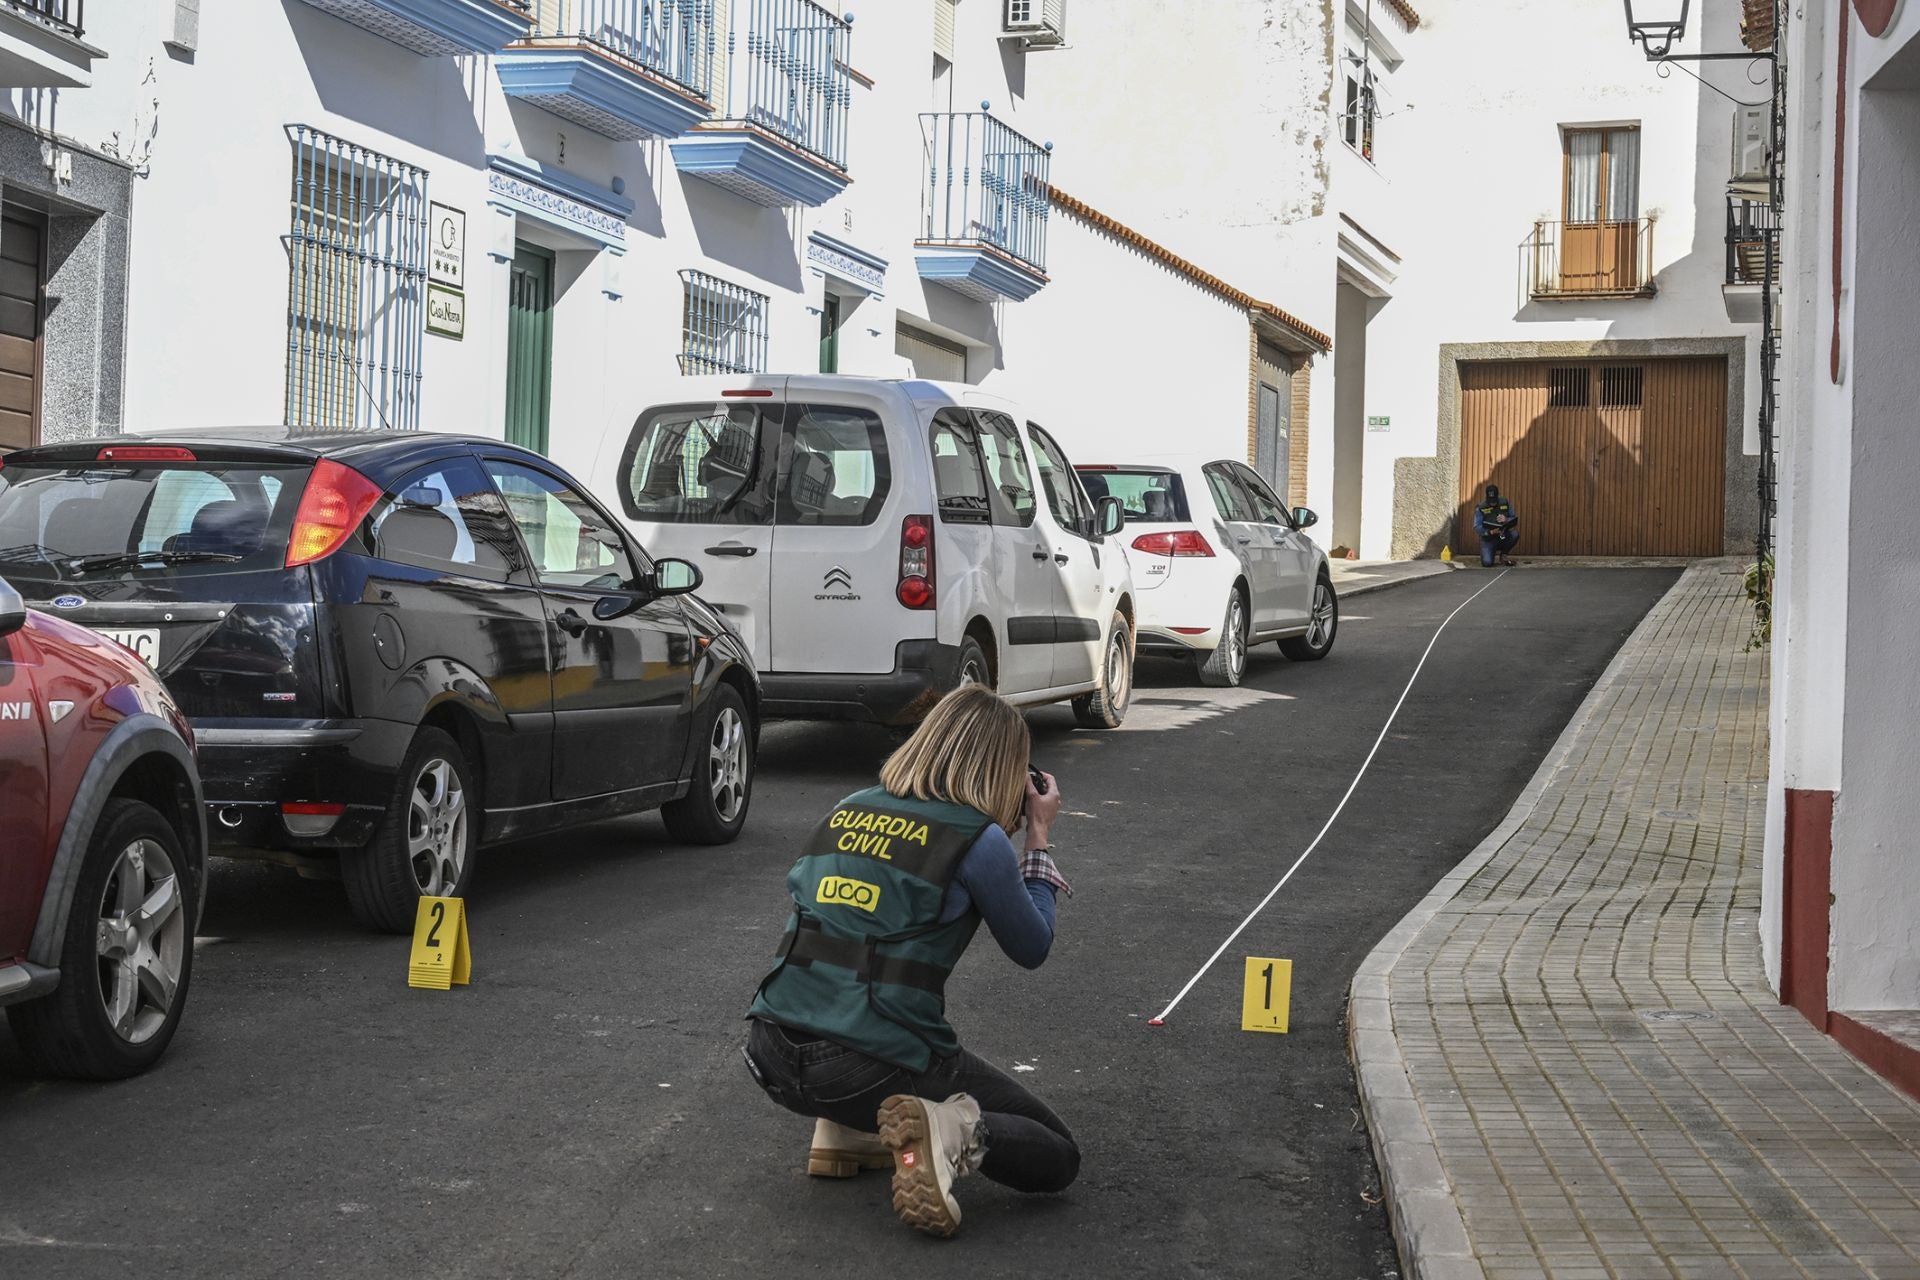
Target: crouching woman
(850, 1025)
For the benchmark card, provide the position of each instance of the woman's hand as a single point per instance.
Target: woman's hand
(1041, 811)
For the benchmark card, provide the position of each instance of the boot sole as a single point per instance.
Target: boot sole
(824, 1163)
(916, 1187)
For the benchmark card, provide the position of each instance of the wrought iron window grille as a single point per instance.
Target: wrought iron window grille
(723, 326)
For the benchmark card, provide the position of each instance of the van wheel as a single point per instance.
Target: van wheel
(1106, 707)
(1322, 623)
(715, 806)
(973, 667)
(1223, 668)
(425, 847)
(125, 961)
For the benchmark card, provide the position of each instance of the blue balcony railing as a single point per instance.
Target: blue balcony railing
(986, 185)
(66, 15)
(437, 28)
(674, 39)
(793, 80)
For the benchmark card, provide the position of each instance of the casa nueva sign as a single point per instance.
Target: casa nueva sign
(446, 312)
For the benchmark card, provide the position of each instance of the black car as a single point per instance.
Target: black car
(394, 647)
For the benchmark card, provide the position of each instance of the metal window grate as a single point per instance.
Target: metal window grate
(797, 85)
(356, 286)
(676, 39)
(723, 327)
(985, 184)
(1622, 388)
(1568, 388)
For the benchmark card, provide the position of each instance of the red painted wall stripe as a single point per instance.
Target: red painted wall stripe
(1898, 1062)
(1806, 910)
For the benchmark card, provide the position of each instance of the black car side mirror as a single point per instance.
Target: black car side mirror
(675, 577)
(13, 610)
(1109, 517)
(1304, 518)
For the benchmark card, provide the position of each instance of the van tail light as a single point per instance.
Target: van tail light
(336, 500)
(916, 563)
(1180, 542)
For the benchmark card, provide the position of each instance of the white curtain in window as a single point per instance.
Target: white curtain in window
(1623, 174)
(1583, 175)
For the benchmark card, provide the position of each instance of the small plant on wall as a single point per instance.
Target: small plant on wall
(1759, 584)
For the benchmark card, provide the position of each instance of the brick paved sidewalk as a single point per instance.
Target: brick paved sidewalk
(1570, 1060)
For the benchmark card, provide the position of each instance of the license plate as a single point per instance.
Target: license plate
(144, 641)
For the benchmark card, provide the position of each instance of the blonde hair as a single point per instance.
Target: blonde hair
(971, 749)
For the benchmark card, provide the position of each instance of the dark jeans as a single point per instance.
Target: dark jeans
(1028, 1148)
(1494, 545)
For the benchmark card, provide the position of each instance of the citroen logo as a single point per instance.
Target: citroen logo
(837, 577)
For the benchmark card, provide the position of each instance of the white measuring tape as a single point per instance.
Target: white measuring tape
(1161, 1017)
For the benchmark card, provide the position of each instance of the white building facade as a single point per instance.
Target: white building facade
(528, 218)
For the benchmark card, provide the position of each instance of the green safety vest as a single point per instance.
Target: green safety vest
(865, 959)
(1490, 513)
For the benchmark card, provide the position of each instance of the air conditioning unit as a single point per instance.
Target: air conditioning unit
(1036, 24)
(1752, 143)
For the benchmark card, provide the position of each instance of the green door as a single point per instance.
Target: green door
(830, 334)
(530, 346)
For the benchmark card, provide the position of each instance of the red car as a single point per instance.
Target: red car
(102, 849)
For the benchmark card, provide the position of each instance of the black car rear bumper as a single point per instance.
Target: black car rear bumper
(923, 670)
(249, 769)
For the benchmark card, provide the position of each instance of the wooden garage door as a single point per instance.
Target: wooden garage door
(1600, 457)
(22, 252)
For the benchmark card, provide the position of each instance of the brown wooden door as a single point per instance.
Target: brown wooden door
(22, 273)
(1599, 457)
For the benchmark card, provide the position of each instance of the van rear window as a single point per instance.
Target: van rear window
(1148, 497)
(95, 520)
(800, 464)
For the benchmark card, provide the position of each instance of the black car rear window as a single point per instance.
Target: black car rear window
(101, 519)
(1147, 496)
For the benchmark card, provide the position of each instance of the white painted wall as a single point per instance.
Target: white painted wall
(1846, 693)
(1476, 160)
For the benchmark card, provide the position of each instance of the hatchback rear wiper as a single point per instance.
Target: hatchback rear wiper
(132, 559)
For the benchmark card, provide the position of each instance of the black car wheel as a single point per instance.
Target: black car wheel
(1222, 667)
(1322, 624)
(715, 806)
(126, 958)
(1106, 706)
(426, 842)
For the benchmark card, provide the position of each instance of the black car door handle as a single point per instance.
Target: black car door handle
(742, 552)
(571, 623)
(1039, 553)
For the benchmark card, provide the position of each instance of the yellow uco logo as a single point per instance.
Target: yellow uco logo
(841, 891)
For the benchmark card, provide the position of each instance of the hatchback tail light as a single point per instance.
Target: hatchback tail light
(308, 819)
(144, 453)
(1180, 542)
(336, 500)
(916, 563)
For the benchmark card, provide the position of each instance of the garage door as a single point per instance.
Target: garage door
(22, 243)
(1600, 457)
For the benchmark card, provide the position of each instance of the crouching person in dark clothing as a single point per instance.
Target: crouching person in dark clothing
(850, 1028)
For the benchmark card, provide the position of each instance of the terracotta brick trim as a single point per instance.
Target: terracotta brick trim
(1405, 12)
(1091, 216)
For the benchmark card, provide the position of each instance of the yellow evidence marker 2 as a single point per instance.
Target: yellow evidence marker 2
(1263, 999)
(440, 954)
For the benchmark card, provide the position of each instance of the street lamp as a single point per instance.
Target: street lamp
(1656, 24)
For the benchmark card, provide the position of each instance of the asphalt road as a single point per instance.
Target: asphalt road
(581, 1109)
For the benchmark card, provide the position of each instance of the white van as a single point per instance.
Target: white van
(876, 542)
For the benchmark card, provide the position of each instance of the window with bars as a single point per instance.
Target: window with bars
(723, 326)
(1362, 108)
(1622, 388)
(1568, 388)
(357, 255)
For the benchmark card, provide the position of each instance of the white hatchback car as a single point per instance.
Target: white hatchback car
(1219, 563)
(876, 542)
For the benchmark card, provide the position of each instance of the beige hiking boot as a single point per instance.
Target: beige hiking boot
(840, 1152)
(933, 1143)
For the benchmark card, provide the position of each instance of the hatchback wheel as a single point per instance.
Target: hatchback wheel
(1322, 624)
(715, 806)
(1106, 706)
(127, 954)
(426, 842)
(1223, 668)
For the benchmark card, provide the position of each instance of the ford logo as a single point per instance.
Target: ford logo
(68, 602)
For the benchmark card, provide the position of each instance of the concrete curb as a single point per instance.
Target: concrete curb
(1421, 1206)
(1348, 593)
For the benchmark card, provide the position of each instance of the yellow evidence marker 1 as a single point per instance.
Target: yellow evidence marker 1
(1263, 1000)
(440, 954)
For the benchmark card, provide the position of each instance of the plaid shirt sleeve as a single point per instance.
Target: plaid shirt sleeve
(1037, 864)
